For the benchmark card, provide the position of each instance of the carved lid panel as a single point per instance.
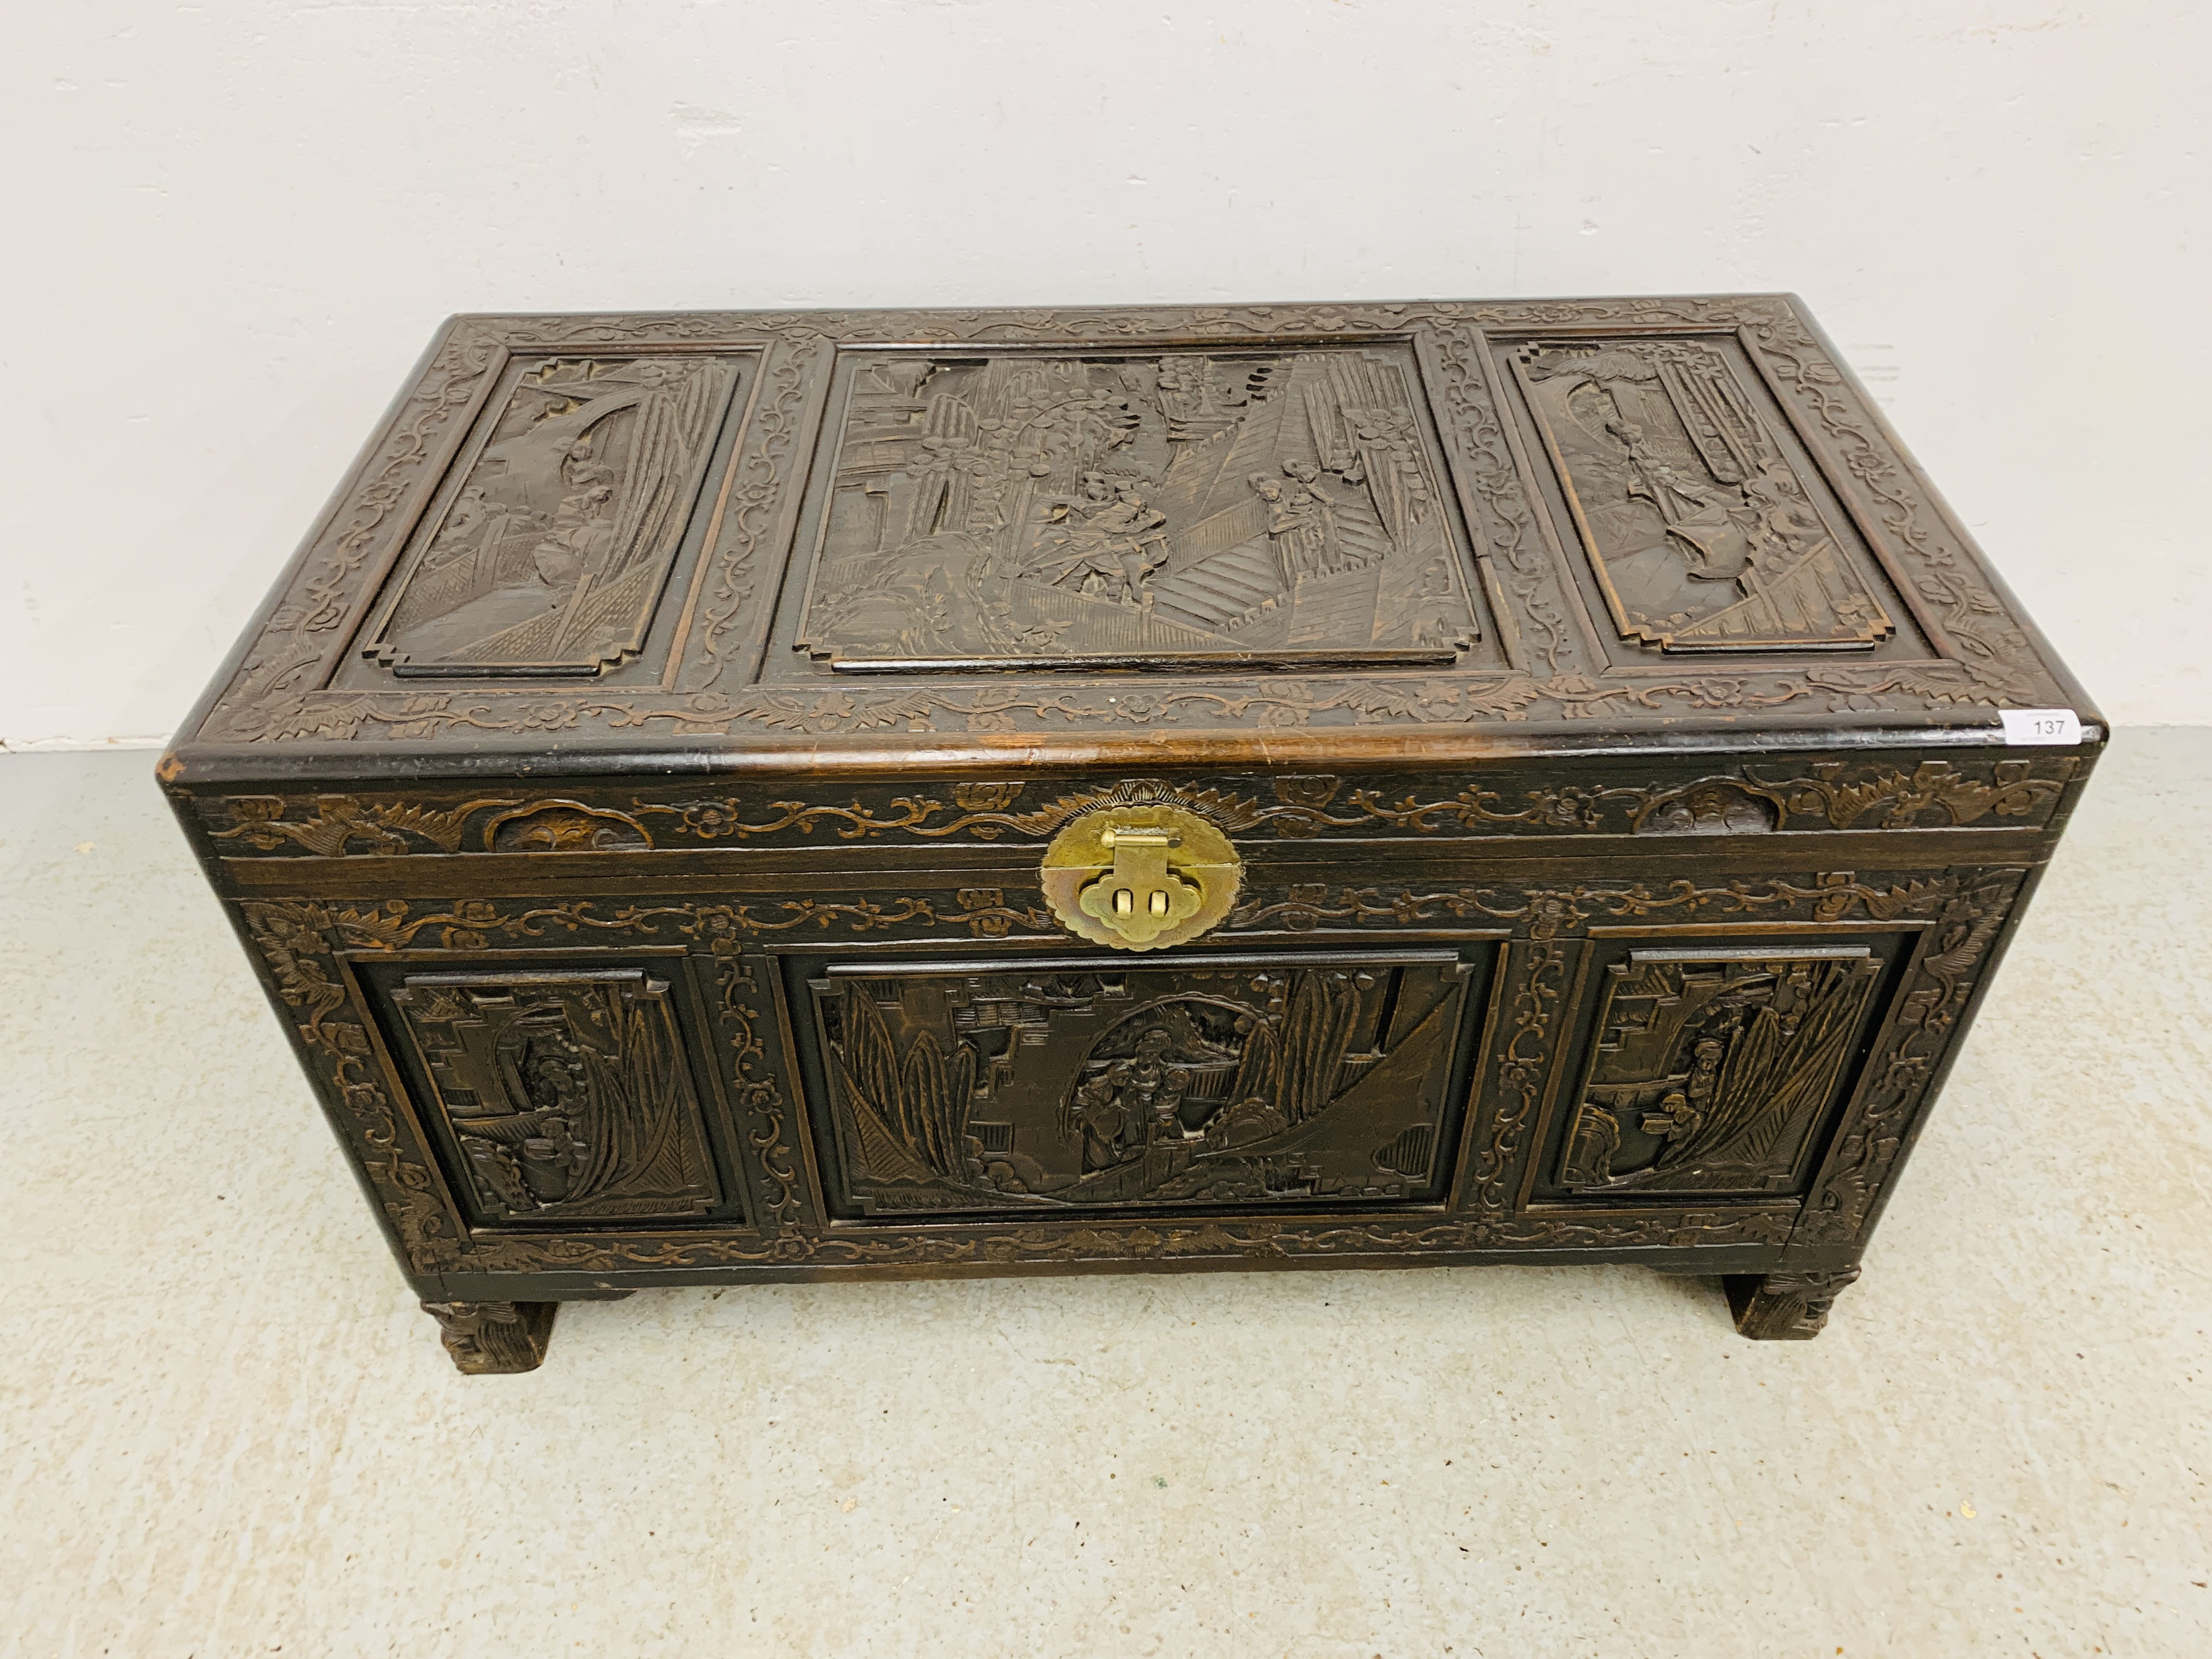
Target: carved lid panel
(548, 553)
(1191, 509)
(1699, 525)
(772, 531)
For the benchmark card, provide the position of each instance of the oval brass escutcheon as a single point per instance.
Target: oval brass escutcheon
(1140, 878)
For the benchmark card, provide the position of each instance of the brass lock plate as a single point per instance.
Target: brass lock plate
(1140, 878)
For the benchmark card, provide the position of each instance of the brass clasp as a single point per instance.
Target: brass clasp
(1140, 898)
(1140, 878)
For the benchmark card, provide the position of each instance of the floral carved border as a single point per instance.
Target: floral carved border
(1929, 1011)
(1547, 912)
(296, 945)
(1139, 1241)
(1943, 573)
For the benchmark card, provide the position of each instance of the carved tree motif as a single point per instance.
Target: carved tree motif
(922, 1100)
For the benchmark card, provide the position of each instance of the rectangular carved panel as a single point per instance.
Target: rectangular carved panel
(1250, 1080)
(1192, 505)
(551, 557)
(1703, 531)
(1710, 1070)
(566, 1094)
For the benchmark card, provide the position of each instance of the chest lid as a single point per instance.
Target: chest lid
(1357, 531)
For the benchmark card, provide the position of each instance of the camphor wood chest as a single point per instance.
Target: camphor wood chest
(794, 795)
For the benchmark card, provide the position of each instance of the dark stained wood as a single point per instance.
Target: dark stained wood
(1561, 804)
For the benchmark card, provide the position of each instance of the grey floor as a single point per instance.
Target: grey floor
(228, 1431)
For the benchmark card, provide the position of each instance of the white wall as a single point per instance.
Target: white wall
(230, 227)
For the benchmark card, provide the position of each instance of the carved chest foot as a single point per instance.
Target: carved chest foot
(1785, 1307)
(494, 1339)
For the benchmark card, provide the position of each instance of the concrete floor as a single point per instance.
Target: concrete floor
(229, 1431)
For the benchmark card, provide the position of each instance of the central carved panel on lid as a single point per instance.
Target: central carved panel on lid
(1047, 1086)
(1282, 506)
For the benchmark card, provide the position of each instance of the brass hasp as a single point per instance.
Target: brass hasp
(1140, 878)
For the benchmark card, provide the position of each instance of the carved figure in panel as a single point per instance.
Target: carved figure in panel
(956, 1090)
(1180, 505)
(551, 557)
(567, 1094)
(1702, 532)
(1709, 1071)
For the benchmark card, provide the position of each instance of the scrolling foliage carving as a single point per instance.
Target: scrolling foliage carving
(1980, 626)
(1548, 912)
(1828, 795)
(1103, 1239)
(1934, 1000)
(293, 942)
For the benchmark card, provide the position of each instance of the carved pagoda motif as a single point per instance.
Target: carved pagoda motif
(568, 1095)
(1709, 1071)
(1703, 535)
(1065, 509)
(551, 557)
(1142, 1086)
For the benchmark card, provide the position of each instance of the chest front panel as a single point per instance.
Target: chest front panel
(645, 1027)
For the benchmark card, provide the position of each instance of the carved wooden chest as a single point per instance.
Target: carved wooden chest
(796, 795)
